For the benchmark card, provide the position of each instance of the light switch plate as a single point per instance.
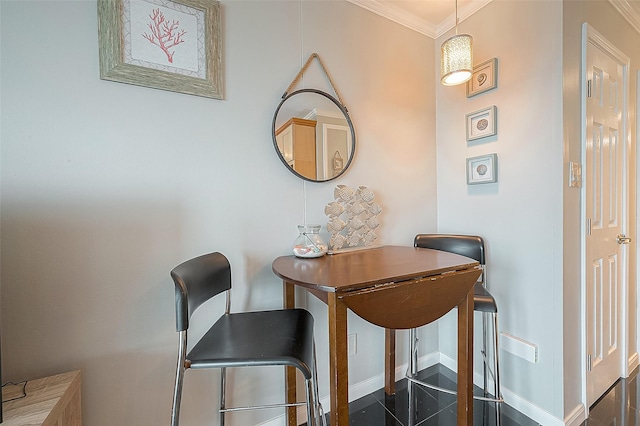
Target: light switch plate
(575, 175)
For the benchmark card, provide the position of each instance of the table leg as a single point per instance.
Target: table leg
(389, 361)
(290, 372)
(465, 361)
(338, 362)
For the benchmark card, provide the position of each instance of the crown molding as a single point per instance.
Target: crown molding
(409, 20)
(398, 15)
(463, 13)
(630, 10)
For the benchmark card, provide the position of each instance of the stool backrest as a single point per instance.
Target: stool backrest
(196, 281)
(465, 245)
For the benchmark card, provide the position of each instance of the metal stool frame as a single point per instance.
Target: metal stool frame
(473, 247)
(206, 276)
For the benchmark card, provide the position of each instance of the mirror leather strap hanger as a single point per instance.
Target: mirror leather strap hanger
(324, 69)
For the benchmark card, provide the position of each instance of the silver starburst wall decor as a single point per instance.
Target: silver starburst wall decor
(353, 217)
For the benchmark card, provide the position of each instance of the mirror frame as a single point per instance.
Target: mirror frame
(342, 109)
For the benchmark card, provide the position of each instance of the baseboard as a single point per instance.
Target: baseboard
(360, 389)
(530, 410)
(577, 416)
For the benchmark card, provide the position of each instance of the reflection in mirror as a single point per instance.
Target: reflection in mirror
(313, 135)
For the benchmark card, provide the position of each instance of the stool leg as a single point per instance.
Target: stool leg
(223, 386)
(485, 360)
(177, 391)
(321, 418)
(311, 403)
(496, 366)
(411, 418)
(177, 396)
(319, 412)
(413, 369)
(413, 352)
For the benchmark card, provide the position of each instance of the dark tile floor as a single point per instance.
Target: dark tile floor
(619, 406)
(430, 407)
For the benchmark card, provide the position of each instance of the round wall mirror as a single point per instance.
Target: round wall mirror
(313, 135)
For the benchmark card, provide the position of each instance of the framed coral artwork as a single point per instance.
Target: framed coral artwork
(163, 44)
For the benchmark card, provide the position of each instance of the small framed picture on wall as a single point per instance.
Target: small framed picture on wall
(482, 169)
(482, 123)
(484, 78)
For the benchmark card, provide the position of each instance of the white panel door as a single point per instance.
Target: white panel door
(605, 260)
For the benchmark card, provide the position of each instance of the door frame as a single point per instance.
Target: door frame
(636, 361)
(590, 35)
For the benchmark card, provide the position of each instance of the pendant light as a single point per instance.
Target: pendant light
(456, 58)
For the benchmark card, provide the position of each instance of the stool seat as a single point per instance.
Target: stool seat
(250, 339)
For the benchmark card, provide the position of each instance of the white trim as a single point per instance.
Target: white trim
(577, 416)
(583, 263)
(434, 30)
(637, 254)
(463, 13)
(630, 10)
(398, 15)
(530, 410)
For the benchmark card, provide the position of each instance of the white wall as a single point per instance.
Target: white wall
(102, 194)
(520, 216)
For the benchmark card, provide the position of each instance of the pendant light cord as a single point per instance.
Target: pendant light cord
(300, 35)
(456, 17)
(304, 185)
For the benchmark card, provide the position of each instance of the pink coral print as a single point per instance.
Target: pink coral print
(165, 35)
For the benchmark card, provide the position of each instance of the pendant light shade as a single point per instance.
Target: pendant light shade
(456, 60)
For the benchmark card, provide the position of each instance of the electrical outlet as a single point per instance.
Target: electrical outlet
(353, 344)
